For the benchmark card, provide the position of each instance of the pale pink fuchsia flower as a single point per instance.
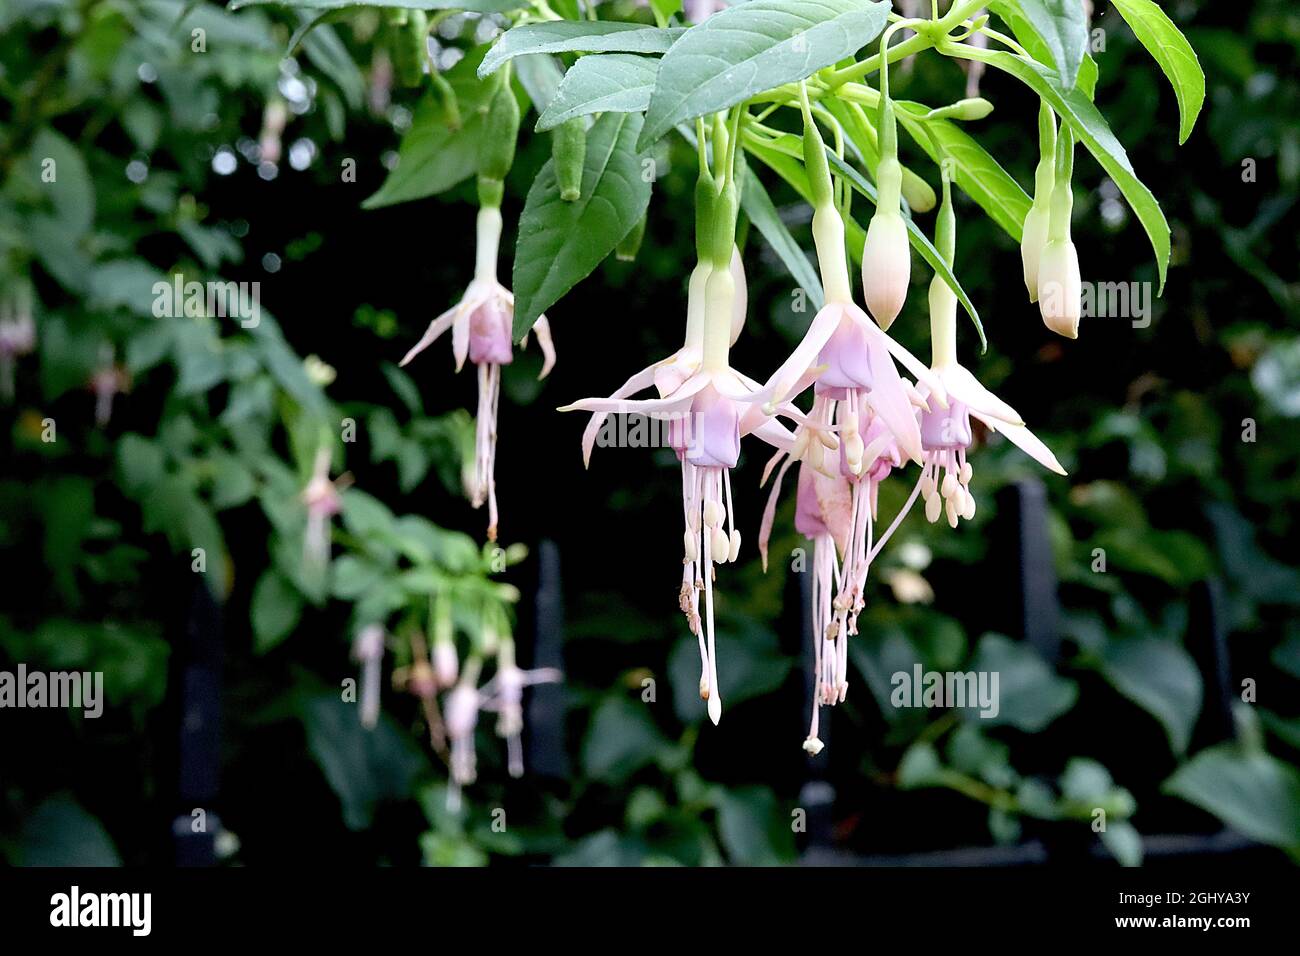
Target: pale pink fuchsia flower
(480, 326)
(108, 381)
(668, 375)
(368, 651)
(946, 433)
(504, 694)
(851, 359)
(461, 714)
(709, 406)
(321, 496)
(17, 336)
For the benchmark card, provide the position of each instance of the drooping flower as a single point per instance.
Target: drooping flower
(709, 407)
(321, 496)
(1039, 217)
(480, 326)
(504, 695)
(1059, 286)
(946, 433)
(109, 380)
(368, 651)
(17, 336)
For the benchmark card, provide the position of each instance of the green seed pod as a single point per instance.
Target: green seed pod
(496, 152)
(630, 245)
(569, 152)
(410, 48)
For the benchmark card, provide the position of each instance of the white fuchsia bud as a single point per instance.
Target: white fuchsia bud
(886, 266)
(1032, 241)
(1060, 289)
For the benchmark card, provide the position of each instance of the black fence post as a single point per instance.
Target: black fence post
(197, 674)
(546, 754)
(1035, 614)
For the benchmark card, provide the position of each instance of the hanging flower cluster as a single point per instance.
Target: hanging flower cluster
(783, 83)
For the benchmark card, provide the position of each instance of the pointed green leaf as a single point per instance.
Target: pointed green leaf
(604, 83)
(752, 47)
(1255, 794)
(1024, 30)
(1166, 43)
(434, 156)
(1063, 29)
(1091, 129)
(582, 36)
(560, 242)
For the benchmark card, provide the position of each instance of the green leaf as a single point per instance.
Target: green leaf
(1063, 28)
(473, 6)
(606, 83)
(1091, 129)
(1170, 48)
(752, 47)
(919, 242)
(1030, 694)
(61, 833)
(1123, 841)
(434, 156)
(1161, 678)
(752, 827)
(920, 767)
(57, 169)
(620, 741)
(275, 611)
(758, 207)
(585, 36)
(1029, 37)
(560, 242)
(363, 767)
(1252, 792)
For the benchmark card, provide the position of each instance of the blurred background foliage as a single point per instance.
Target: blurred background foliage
(1180, 437)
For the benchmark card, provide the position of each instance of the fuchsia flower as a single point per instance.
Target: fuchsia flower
(321, 496)
(480, 326)
(504, 694)
(368, 650)
(710, 406)
(109, 380)
(17, 336)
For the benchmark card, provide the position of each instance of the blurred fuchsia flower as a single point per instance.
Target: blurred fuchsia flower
(109, 380)
(321, 496)
(17, 335)
(368, 650)
(481, 324)
(504, 694)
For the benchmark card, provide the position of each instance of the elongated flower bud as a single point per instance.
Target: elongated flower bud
(569, 152)
(1059, 287)
(497, 147)
(410, 50)
(1038, 220)
(886, 263)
